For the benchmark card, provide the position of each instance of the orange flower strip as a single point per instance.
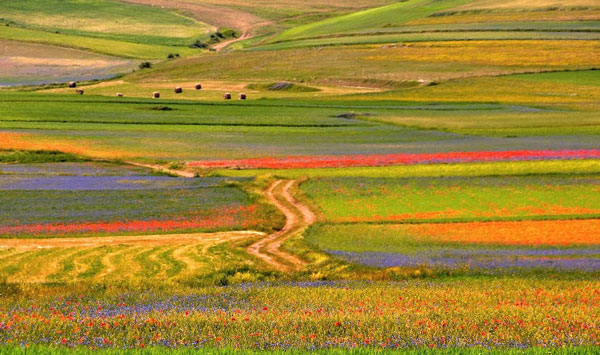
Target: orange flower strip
(533, 233)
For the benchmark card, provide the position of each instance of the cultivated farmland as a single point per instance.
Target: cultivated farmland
(299, 176)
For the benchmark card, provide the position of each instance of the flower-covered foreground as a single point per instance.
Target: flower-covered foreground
(512, 313)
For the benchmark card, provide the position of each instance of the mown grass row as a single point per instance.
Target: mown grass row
(203, 262)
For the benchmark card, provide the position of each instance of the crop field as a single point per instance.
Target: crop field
(103, 19)
(192, 131)
(299, 176)
(84, 201)
(474, 248)
(484, 225)
(109, 47)
(472, 198)
(480, 225)
(412, 62)
(30, 64)
(264, 16)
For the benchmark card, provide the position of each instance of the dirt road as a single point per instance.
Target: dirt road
(162, 169)
(247, 32)
(298, 218)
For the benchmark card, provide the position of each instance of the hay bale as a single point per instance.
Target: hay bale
(79, 91)
(119, 94)
(178, 90)
(227, 96)
(242, 96)
(198, 86)
(156, 95)
(72, 84)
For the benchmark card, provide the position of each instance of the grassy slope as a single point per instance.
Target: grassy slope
(365, 65)
(96, 45)
(387, 16)
(394, 38)
(103, 19)
(102, 26)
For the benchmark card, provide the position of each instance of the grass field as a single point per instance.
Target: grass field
(96, 45)
(478, 198)
(178, 259)
(100, 26)
(368, 65)
(86, 199)
(34, 64)
(402, 177)
(104, 19)
(387, 16)
(129, 128)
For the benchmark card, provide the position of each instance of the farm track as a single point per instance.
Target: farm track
(246, 34)
(162, 169)
(298, 217)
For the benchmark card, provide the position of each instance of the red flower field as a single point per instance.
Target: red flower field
(339, 161)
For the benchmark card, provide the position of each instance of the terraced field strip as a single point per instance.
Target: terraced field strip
(298, 217)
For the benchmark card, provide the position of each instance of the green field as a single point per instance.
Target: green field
(387, 16)
(130, 128)
(101, 26)
(479, 198)
(96, 45)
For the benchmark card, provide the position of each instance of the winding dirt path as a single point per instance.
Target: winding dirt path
(247, 32)
(298, 217)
